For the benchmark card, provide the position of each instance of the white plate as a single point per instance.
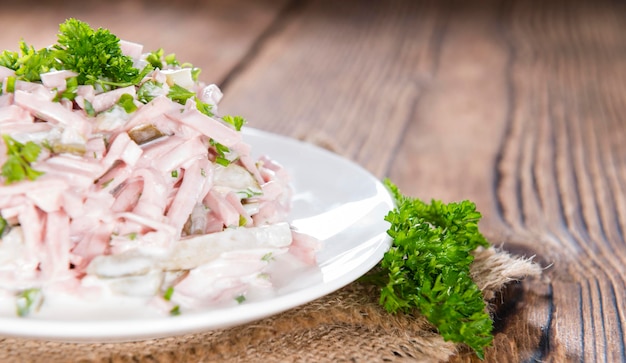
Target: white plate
(334, 200)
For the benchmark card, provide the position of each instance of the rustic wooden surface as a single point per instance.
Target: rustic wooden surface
(517, 105)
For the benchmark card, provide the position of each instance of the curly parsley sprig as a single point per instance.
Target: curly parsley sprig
(95, 54)
(427, 268)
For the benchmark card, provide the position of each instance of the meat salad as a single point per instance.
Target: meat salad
(130, 185)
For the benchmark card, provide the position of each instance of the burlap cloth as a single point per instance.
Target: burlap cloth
(347, 325)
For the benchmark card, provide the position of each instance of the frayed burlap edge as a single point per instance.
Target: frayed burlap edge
(348, 325)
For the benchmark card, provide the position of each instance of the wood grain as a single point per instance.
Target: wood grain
(516, 105)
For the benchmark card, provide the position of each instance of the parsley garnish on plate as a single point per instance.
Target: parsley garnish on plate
(428, 267)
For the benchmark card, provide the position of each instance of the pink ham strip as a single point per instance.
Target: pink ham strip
(106, 100)
(122, 148)
(235, 202)
(33, 218)
(127, 197)
(75, 177)
(197, 180)
(152, 201)
(222, 209)
(158, 106)
(24, 129)
(43, 183)
(52, 112)
(208, 126)
(94, 243)
(155, 225)
(14, 114)
(159, 149)
(49, 199)
(304, 247)
(55, 259)
(6, 72)
(243, 150)
(57, 79)
(131, 49)
(6, 99)
(189, 150)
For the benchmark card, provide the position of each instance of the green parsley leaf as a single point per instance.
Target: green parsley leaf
(4, 226)
(222, 161)
(154, 58)
(127, 102)
(195, 73)
(167, 296)
(204, 107)
(174, 173)
(71, 89)
(28, 300)
(148, 91)
(240, 299)
(10, 84)
(236, 121)
(175, 310)
(180, 94)
(427, 267)
(221, 151)
(20, 156)
(94, 54)
(31, 64)
(242, 221)
(89, 109)
(170, 60)
(249, 193)
(9, 59)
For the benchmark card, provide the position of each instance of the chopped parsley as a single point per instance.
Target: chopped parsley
(10, 84)
(28, 301)
(221, 151)
(236, 121)
(148, 91)
(175, 310)
(17, 167)
(180, 94)
(89, 109)
(4, 226)
(204, 107)
(240, 299)
(427, 268)
(71, 89)
(127, 102)
(154, 58)
(167, 296)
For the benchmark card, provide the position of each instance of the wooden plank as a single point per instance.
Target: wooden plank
(214, 35)
(342, 74)
(515, 105)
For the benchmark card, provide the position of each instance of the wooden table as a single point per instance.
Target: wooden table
(517, 105)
